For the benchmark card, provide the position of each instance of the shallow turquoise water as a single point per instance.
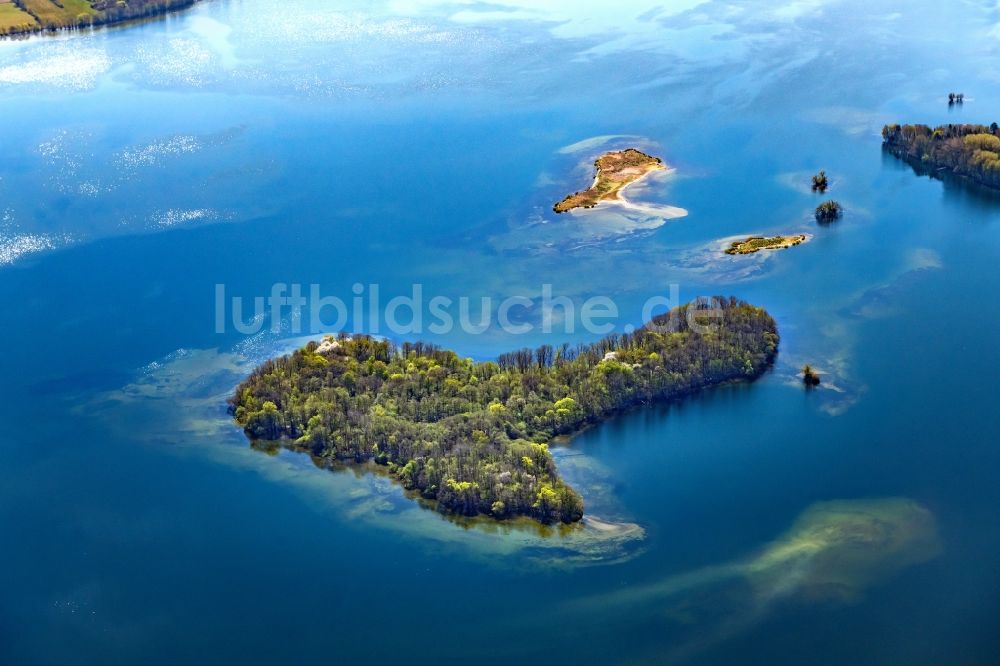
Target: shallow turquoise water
(426, 143)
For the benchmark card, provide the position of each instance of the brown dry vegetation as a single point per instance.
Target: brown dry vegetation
(13, 19)
(614, 171)
(969, 151)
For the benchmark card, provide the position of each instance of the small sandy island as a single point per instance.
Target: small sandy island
(615, 171)
(758, 243)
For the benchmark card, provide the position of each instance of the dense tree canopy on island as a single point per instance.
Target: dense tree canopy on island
(972, 151)
(829, 211)
(474, 436)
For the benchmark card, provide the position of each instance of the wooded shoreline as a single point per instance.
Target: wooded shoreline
(22, 18)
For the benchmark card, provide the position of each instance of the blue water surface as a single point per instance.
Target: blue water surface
(244, 144)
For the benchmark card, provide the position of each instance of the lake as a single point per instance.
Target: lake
(416, 142)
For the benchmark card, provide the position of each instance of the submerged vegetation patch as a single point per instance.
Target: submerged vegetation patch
(473, 437)
(832, 554)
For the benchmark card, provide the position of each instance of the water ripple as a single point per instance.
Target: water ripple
(76, 68)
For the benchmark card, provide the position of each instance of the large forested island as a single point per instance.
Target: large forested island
(615, 171)
(27, 16)
(474, 436)
(970, 151)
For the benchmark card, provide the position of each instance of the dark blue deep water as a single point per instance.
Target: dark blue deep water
(246, 143)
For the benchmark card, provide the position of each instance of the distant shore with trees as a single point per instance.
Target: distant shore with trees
(969, 151)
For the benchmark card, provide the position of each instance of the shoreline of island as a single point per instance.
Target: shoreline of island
(665, 211)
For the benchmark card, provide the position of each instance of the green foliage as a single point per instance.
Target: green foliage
(473, 436)
(34, 15)
(820, 182)
(971, 151)
(13, 19)
(829, 211)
